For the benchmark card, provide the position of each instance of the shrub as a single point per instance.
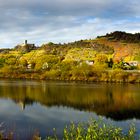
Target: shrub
(132, 78)
(51, 60)
(9, 69)
(67, 65)
(11, 60)
(82, 72)
(95, 130)
(23, 63)
(2, 62)
(52, 74)
(99, 67)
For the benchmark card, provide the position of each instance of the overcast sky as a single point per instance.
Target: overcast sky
(42, 21)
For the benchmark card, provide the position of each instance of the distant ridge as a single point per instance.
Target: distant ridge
(123, 36)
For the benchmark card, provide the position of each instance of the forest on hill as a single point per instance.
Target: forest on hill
(114, 57)
(123, 36)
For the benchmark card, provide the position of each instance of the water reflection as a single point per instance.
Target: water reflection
(116, 101)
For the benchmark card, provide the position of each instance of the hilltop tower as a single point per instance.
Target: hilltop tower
(26, 42)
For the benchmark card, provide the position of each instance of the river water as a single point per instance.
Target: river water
(30, 107)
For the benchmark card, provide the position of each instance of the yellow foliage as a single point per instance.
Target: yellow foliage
(78, 54)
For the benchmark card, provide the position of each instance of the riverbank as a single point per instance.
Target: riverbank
(116, 76)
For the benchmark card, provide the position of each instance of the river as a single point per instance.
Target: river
(29, 107)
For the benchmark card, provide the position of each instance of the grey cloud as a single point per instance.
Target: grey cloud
(73, 7)
(64, 20)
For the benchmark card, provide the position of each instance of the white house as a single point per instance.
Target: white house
(133, 63)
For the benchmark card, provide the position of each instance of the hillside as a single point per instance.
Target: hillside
(80, 60)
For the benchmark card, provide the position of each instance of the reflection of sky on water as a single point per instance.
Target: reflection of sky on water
(44, 119)
(37, 117)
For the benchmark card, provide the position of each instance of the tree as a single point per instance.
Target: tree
(23, 63)
(101, 59)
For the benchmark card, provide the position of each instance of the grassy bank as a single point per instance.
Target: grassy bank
(87, 73)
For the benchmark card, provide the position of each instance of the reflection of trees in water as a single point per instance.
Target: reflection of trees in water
(115, 101)
(124, 114)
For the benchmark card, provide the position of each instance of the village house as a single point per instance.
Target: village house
(88, 62)
(133, 63)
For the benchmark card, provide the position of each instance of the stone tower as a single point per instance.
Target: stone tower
(25, 42)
